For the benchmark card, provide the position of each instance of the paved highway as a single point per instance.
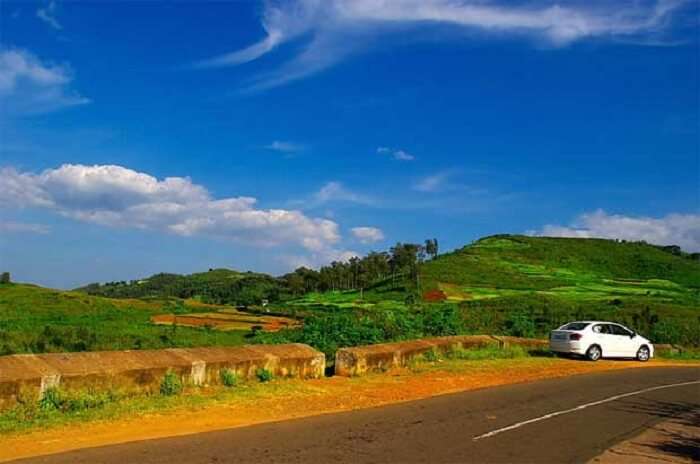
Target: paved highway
(561, 420)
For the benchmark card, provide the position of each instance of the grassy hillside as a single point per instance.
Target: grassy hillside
(518, 285)
(35, 319)
(217, 286)
(567, 268)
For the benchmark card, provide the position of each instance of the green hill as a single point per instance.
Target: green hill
(569, 268)
(217, 286)
(525, 286)
(35, 320)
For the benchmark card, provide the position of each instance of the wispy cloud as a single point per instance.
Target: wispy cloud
(434, 182)
(397, 154)
(48, 15)
(285, 146)
(367, 234)
(674, 229)
(29, 85)
(336, 192)
(9, 227)
(336, 29)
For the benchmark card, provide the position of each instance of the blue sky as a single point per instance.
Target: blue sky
(177, 136)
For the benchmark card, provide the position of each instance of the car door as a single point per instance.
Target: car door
(600, 335)
(622, 341)
(606, 339)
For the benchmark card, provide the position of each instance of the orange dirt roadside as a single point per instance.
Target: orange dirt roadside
(313, 397)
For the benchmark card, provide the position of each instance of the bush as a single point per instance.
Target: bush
(521, 324)
(171, 384)
(228, 377)
(432, 355)
(52, 400)
(263, 375)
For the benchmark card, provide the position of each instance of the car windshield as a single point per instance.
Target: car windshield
(574, 326)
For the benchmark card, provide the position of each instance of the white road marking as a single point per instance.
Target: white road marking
(579, 408)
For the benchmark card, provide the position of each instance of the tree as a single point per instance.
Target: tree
(431, 247)
(5, 278)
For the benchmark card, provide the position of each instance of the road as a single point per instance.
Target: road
(442, 429)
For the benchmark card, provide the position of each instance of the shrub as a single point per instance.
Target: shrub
(229, 378)
(263, 375)
(521, 324)
(171, 384)
(431, 355)
(52, 400)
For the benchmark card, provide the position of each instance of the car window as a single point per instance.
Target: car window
(601, 328)
(618, 330)
(575, 326)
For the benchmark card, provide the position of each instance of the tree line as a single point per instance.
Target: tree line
(358, 273)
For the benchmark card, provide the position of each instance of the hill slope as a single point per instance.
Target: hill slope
(217, 286)
(569, 268)
(35, 319)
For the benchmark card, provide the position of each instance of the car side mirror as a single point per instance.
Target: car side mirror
(633, 334)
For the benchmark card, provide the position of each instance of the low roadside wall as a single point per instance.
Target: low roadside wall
(376, 358)
(29, 375)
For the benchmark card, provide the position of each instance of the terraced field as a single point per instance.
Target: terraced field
(226, 320)
(570, 269)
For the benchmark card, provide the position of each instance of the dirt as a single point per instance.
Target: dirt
(314, 397)
(226, 321)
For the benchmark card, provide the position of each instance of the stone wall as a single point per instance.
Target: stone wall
(30, 375)
(376, 358)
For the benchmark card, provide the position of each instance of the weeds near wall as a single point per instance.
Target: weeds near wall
(171, 384)
(263, 375)
(229, 378)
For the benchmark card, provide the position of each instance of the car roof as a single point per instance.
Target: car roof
(593, 322)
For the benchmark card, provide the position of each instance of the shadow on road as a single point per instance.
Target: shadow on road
(681, 436)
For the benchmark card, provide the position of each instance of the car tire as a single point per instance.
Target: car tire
(643, 354)
(594, 353)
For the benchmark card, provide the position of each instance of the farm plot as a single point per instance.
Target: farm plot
(225, 321)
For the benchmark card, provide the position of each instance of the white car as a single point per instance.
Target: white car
(600, 339)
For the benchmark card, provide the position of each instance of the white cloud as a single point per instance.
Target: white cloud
(29, 85)
(336, 192)
(284, 146)
(316, 260)
(336, 29)
(9, 227)
(674, 229)
(399, 155)
(368, 234)
(116, 196)
(433, 183)
(48, 15)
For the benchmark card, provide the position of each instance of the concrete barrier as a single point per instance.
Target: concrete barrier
(376, 358)
(29, 375)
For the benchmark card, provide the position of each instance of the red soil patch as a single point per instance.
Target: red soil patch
(434, 295)
(267, 323)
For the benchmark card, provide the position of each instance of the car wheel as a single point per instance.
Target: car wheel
(594, 353)
(643, 354)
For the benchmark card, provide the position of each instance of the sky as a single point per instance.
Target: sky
(147, 136)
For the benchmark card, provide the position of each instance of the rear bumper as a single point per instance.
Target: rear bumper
(566, 346)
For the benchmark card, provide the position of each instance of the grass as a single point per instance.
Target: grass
(573, 269)
(36, 320)
(83, 407)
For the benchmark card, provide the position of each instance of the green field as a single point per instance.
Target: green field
(35, 319)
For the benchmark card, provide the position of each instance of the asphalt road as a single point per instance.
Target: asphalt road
(441, 429)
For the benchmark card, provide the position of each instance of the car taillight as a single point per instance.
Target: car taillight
(574, 336)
